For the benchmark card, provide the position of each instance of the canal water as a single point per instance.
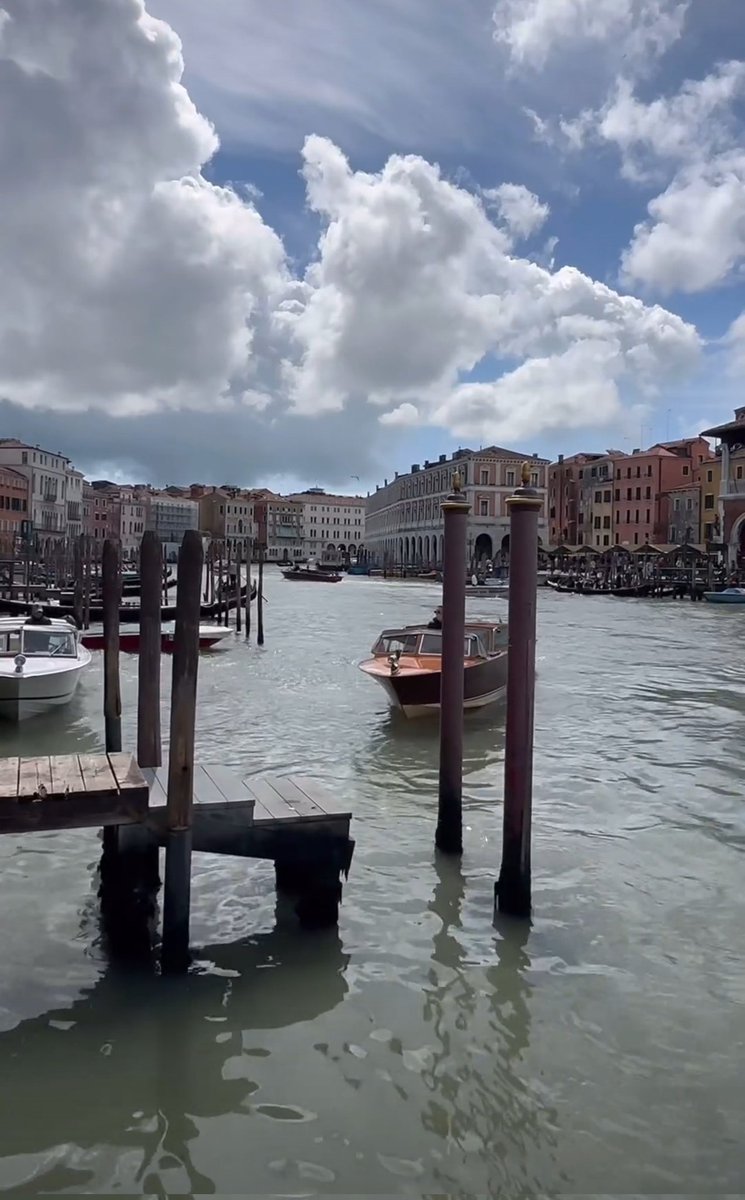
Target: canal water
(419, 1050)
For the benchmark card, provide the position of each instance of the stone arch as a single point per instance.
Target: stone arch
(736, 551)
(406, 551)
(483, 548)
(426, 550)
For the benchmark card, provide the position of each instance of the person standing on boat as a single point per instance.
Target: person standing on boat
(436, 622)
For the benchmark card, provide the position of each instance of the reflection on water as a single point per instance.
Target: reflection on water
(418, 1050)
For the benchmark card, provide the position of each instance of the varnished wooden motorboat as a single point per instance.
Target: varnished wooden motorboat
(129, 639)
(407, 662)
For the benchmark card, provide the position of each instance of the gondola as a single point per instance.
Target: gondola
(129, 614)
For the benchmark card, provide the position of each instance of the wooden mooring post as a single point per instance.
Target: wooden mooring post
(249, 556)
(177, 890)
(449, 834)
(111, 599)
(513, 889)
(260, 601)
(148, 668)
(238, 566)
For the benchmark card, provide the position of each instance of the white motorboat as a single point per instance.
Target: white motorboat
(40, 665)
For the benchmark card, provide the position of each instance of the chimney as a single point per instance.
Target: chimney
(561, 458)
(443, 458)
(414, 468)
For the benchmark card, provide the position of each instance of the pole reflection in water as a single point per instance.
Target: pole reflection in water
(484, 1108)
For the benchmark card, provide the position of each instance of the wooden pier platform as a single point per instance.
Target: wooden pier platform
(290, 821)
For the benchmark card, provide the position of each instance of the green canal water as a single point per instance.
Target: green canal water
(418, 1050)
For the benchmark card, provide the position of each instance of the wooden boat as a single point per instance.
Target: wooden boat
(40, 665)
(310, 575)
(129, 639)
(128, 613)
(407, 663)
(730, 595)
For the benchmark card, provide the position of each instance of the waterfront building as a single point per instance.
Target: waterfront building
(74, 515)
(681, 507)
(101, 504)
(572, 482)
(729, 524)
(643, 482)
(170, 516)
(403, 521)
(226, 513)
(333, 527)
(14, 506)
(279, 526)
(51, 478)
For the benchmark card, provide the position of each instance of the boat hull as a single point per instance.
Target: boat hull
(23, 696)
(311, 577)
(724, 598)
(417, 693)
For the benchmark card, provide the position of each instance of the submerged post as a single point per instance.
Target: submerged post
(111, 586)
(177, 891)
(260, 601)
(148, 667)
(512, 893)
(449, 834)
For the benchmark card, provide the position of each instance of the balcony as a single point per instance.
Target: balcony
(732, 487)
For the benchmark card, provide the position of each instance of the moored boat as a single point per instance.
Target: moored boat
(40, 665)
(311, 575)
(730, 595)
(129, 640)
(128, 613)
(407, 662)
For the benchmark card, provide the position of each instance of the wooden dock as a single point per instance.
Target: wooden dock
(182, 806)
(290, 821)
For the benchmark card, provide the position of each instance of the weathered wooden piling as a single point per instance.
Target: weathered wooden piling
(111, 599)
(87, 581)
(149, 752)
(238, 587)
(260, 600)
(177, 891)
(249, 556)
(513, 889)
(455, 510)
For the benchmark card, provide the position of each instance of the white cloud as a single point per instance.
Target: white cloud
(544, 395)
(128, 281)
(695, 237)
(634, 31)
(521, 211)
(734, 341)
(133, 285)
(414, 286)
(405, 415)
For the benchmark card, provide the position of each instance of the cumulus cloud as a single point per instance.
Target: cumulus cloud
(521, 211)
(134, 286)
(633, 31)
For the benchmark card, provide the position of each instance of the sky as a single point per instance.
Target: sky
(309, 242)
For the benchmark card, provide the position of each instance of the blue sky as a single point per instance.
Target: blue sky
(620, 122)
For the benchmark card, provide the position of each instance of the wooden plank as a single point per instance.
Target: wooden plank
(317, 793)
(231, 785)
(66, 776)
(97, 773)
(35, 778)
(205, 790)
(157, 790)
(126, 772)
(9, 777)
(298, 800)
(278, 809)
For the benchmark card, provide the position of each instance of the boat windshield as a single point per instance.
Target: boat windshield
(432, 645)
(398, 643)
(51, 643)
(10, 642)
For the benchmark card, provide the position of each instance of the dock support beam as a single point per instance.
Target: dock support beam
(177, 890)
(513, 889)
(449, 834)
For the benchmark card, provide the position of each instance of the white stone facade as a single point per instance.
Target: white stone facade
(333, 527)
(404, 523)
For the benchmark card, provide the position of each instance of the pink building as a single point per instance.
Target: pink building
(101, 510)
(643, 481)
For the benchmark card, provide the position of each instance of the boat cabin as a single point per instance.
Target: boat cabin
(419, 641)
(57, 639)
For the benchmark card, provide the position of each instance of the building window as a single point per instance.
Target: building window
(510, 478)
(647, 516)
(484, 508)
(648, 493)
(598, 497)
(485, 477)
(534, 479)
(709, 476)
(628, 516)
(606, 497)
(606, 539)
(685, 470)
(636, 539)
(606, 523)
(636, 517)
(617, 539)
(709, 500)
(596, 523)
(628, 493)
(739, 472)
